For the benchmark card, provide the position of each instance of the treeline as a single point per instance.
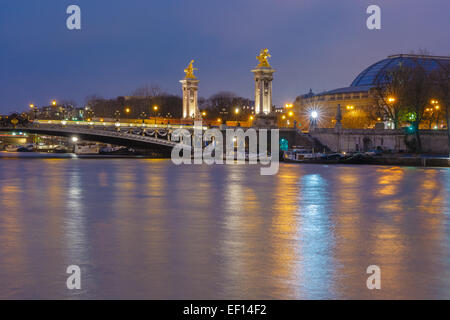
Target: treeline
(227, 106)
(150, 101)
(411, 95)
(132, 107)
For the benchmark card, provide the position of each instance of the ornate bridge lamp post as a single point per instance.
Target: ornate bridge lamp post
(169, 116)
(155, 109)
(143, 116)
(117, 116)
(223, 113)
(202, 116)
(35, 111)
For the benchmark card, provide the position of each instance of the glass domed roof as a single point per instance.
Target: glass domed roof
(370, 76)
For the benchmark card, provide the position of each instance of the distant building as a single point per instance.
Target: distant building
(360, 94)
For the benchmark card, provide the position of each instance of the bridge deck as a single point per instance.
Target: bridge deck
(92, 133)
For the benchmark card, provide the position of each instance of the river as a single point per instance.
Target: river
(148, 229)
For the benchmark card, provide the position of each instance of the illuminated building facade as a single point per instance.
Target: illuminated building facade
(360, 94)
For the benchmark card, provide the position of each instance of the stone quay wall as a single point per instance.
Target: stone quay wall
(350, 140)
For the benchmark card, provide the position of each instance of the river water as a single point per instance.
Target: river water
(149, 229)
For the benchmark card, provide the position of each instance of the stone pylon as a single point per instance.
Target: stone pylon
(190, 93)
(190, 98)
(263, 74)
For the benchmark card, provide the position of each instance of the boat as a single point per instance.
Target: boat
(300, 155)
(87, 149)
(109, 150)
(29, 147)
(60, 149)
(12, 148)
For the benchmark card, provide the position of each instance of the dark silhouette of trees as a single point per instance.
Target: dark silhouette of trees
(224, 104)
(132, 107)
(416, 95)
(147, 91)
(441, 88)
(403, 95)
(389, 96)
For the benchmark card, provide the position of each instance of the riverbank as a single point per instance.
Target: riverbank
(389, 160)
(47, 155)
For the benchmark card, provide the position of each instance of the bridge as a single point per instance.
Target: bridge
(154, 139)
(139, 136)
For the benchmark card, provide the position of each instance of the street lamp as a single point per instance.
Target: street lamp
(224, 113)
(391, 100)
(35, 110)
(314, 115)
(236, 112)
(117, 116)
(54, 103)
(155, 109)
(143, 116)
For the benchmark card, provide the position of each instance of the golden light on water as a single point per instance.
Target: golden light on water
(307, 232)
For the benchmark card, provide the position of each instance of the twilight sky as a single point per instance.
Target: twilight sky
(318, 44)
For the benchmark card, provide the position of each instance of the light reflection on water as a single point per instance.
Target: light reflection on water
(149, 229)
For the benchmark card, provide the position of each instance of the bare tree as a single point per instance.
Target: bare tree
(441, 85)
(223, 105)
(389, 93)
(416, 95)
(148, 91)
(92, 98)
(402, 95)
